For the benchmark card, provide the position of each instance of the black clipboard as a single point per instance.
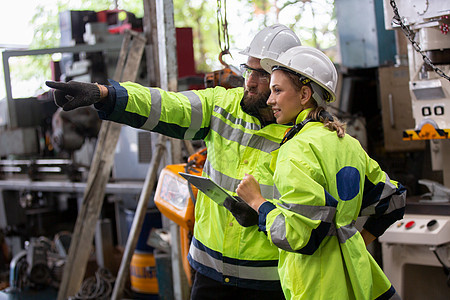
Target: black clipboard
(209, 188)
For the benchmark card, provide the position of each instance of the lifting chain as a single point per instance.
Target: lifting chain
(226, 77)
(222, 28)
(410, 35)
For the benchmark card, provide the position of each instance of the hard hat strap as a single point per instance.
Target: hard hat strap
(319, 94)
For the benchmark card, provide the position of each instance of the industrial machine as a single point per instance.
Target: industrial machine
(426, 25)
(39, 266)
(416, 250)
(416, 256)
(394, 74)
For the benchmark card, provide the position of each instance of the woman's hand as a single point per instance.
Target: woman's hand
(248, 190)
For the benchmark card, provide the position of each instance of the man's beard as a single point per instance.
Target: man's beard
(256, 105)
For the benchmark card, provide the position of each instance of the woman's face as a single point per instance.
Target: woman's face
(285, 99)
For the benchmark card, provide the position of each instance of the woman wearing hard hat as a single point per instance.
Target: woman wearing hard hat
(323, 181)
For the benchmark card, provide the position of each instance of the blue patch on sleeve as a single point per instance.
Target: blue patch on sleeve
(263, 210)
(348, 183)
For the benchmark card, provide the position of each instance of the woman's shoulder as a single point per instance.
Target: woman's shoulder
(317, 136)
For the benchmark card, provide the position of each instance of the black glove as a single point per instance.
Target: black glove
(74, 94)
(244, 214)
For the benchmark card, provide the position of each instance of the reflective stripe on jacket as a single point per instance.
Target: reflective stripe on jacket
(320, 181)
(237, 144)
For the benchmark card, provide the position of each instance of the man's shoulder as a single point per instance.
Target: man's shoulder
(232, 91)
(229, 99)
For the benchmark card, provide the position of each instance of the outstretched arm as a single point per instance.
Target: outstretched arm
(183, 115)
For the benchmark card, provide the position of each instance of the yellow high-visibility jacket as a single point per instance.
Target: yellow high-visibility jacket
(237, 144)
(323, 183)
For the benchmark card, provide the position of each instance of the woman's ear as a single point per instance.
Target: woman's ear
(305, 94)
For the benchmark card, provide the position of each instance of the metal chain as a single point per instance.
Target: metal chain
(222, 27)
(410, 35)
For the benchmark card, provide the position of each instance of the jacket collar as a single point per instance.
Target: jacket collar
(302, 115)
(300, 123)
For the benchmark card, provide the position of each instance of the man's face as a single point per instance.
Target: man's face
(257, 89)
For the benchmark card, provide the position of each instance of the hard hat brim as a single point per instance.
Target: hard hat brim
(268, 63)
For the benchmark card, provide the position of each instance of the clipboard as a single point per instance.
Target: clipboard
(209, 188)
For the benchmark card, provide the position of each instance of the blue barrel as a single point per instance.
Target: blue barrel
(152, 220)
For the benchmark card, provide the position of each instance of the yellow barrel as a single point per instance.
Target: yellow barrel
(143, 273)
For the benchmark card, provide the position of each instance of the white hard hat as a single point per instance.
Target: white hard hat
(271, 42)
(311, 63)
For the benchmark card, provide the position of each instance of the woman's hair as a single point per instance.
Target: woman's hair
(330, 122)
(319, 113)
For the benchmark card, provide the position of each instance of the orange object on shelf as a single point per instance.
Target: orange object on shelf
(427, 132)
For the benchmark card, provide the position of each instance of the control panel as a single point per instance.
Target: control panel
(418, 230)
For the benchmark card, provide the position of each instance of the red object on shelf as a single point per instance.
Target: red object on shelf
(410, 224)
(117, 23)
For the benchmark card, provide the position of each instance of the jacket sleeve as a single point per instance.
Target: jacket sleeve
(182, 115)
(383, 201)
(303, 214)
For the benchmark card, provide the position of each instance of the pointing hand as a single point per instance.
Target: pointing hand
(74, 94)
